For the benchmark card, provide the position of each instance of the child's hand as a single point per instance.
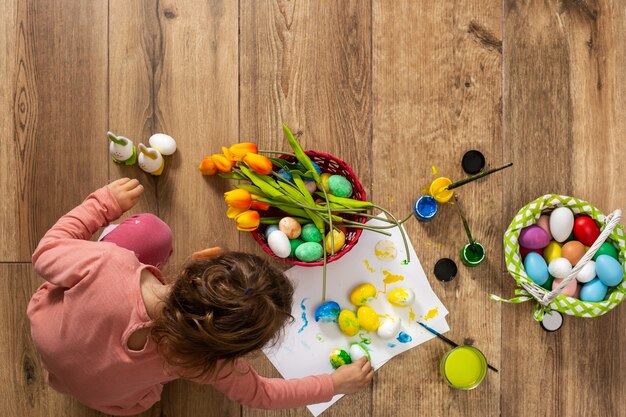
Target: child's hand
(351, 378)
(126, 192)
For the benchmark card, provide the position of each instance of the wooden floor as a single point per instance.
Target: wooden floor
(392, 87)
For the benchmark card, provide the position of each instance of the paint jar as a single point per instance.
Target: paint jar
(425, 208)
(464, 367)
(438, 189)
(472, 255)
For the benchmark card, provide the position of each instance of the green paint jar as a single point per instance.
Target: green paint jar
(464, 367)
(472, 255)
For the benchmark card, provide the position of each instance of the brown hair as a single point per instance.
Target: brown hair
(222, 308)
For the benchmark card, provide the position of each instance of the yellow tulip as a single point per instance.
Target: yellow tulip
(238, 198)
(239, 150)
(248, 221)
(233, 212)
(207, 167)
(258, 163)
(222, 163)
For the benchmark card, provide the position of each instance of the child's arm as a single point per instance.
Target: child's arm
(64, 256)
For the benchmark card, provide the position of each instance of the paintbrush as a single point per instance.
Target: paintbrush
(472, 242)
(476, 177)
(448, 341)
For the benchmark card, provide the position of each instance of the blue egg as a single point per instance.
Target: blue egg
(609, 270)
(327, 312)
(284, 174)
(593, 291)
(536, 268)
(270, 229)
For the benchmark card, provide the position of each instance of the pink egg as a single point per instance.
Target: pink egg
(577, 293)
(571, 288)
(544, 222)
(290, 227)
(534, 237)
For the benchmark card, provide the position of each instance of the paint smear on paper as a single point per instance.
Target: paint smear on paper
(368, 266)
(365, 340)
(404, 338)
(305, 322)
(390, 279)
(391, 345)
(385, 250)
(405, 262)
(432, 313)
(319, 337)
(411, 314)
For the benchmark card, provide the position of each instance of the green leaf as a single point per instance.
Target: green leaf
(232, 176)
(251, 188)
(347, 202)
(300, 155)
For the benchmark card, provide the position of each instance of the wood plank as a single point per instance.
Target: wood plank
(564, 130)
(437, 88)
(307, 64)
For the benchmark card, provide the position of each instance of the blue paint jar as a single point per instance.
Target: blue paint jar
(425, 208)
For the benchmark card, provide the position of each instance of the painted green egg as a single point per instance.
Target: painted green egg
(339, 357)
(310, 233)
(348, 323)
(339, 186)
(294, 245)
(606, 249)
(309, 252)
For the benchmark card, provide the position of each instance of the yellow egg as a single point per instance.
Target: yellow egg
(324, 178)
(552, 251)
(401, 297)
(339, 238)
(363, 294)
(348, 323)
(368, 319)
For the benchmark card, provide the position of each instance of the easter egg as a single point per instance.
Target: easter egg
(579, 287)
(573, 251)
(548, 284)
(587, 273)
(324, 180)
(311, 186)
(328, 312)
(569, 290)
(586, 230)
(368, 318)
(536, 268)
(609, 270)
(163, 143)
(339, 186)
(339, 357)
(561, 223)
(271, 228)
(560, 268)
(544, 222)
(310, 233)
(552, 251)
(401, 297)
(389, 327)
(308, 251)
(290, 227)
(357, 351)
(533, 237)
(348, 323)
(284, 174)
(525, 251)
(606, 248)
(279, 244)
(294, 243)
(362, 294)
(593, 291)
(339, 238)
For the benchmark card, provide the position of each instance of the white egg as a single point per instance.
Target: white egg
(561, 223)
(279, 244)
(357, 351)
(311, 186)
(389, 327)
(560, 268)
(163, 143)
(587, 273)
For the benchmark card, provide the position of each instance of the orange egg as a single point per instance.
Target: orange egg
(573, 251)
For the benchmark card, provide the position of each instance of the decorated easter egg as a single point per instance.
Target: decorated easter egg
(328, 312)
(525, 251)
(339, 357)
(401, 297)
(310, 233)
(294, 243)
(536, 268)
(311, 186)
(569, 290)
(389, 327)
(279, 244)
(290, 227)
(362, 294)
(368, 318)
(560, 268)
(348, 322)
(586, 230)
(324, 180)
(552, 251)
(339, 186)
(587, 273)
(284, 174)
(573, 251)
(339, 238)
(606, 248)
(163, 143)
(357, 351)
(593, 291)
(609, 270)
(271, 228)
(544, 222)
(533, 237)
(309, 251)
(548, 284)
(561, 223)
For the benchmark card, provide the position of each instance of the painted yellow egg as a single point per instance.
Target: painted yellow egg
(552, 251)
(324, 178)
(401, 297)
(362, 294)
(348, 323)
(368, 318)
(339, 238)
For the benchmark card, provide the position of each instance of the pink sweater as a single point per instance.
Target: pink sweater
(82, 316)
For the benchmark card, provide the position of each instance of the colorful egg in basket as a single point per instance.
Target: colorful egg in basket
(332, 165)
(553, 296)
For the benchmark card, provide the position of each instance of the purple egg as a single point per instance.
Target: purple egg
(533, 237)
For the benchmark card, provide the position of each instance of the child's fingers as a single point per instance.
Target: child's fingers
(136, 192)
(363, 363)
(131, 184)
(121, 181)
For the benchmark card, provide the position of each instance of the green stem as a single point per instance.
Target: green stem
(275, 152)
(406, 245)
(324, 278)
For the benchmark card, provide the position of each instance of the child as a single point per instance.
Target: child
(111, 332)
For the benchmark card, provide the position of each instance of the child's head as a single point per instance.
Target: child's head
(221, 309)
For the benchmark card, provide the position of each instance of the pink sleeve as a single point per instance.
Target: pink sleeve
(241, 383)
(65, 255)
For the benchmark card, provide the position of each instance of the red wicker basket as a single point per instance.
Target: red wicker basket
(331, 165)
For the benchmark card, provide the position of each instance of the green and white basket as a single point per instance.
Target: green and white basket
(553, 300)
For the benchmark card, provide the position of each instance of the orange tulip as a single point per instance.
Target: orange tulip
(228, 154)
(233, 212)
(222, 163)
(239, 150)
(258, 205)
(248, 221)
(238, 198)
(258, 163)
(207, 167)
